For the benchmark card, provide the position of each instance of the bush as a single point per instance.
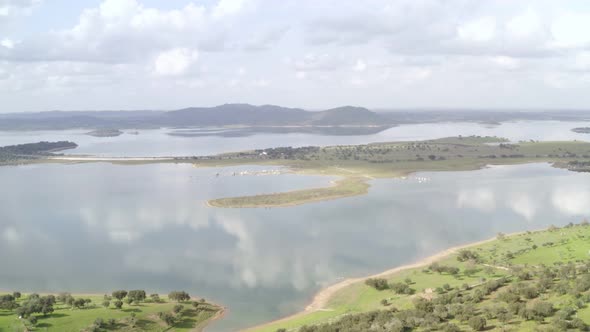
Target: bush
(177, 308)
(377, 283)
(477, 323)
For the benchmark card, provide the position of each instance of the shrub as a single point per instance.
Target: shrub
(477, 323)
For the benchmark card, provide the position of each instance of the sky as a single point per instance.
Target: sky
(314, 54)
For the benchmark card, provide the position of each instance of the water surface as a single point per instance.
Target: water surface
(97, 227)
(158, 143)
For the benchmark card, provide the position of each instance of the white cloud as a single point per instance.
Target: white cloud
(175, 62)
(506, 62)
(8, 43)
(525, 25)
(360, 65)
(570, 29)
(479, 30)
(228, 7)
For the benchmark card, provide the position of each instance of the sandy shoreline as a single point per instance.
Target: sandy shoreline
(321, 299)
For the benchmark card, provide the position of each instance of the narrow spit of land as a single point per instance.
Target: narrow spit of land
(358, 164)
(528, 281)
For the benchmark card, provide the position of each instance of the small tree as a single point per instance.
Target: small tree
(118, 304)
(477, 323)
(137, 296)
(16, 295)
(106, 303)
(177, 308)
(120, 294)
(179, 296)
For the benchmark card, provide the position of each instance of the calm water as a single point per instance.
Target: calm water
(158, 143)
(97, 227)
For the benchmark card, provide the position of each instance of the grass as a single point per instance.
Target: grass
(498, 258)
(66, 319)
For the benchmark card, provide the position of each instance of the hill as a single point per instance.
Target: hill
(223, 115)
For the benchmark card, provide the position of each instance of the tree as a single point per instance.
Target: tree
(62, 297)
(118, 304)
(7, 302)
(179, 296)
(16, 295)
(377, 283)
(36, 304)
(120, 294)
(177, 308)
(106, 303)
(477, 323)
(137, 296)
(167, 317)
(155, 297)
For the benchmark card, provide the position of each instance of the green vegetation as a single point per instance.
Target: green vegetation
(357, 163)
(532, 281)
(120, 311)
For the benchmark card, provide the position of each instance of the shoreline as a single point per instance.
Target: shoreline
(324, 295)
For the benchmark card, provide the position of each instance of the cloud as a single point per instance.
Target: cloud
(17, 7)
(570, 30)
(360, 66)
(175, 62)
(479, 30)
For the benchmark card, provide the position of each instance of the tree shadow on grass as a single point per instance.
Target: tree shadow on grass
(146, 324)
(131, 310)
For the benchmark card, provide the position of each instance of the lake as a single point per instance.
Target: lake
(99, 227)
(158, 143)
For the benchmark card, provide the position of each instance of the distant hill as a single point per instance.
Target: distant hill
(264, 116)
(223, 115)
(348, 115)
(236, 114)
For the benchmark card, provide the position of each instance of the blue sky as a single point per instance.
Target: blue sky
(166, 54)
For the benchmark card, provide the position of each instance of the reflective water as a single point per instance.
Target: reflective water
(158, 143)
(96, 227)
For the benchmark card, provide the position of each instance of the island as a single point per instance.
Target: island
(105, 133)
(121, 310)
(32, 152)
(529, 281)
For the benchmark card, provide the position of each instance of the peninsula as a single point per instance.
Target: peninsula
(529, 281)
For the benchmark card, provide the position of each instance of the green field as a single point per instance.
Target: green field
(386, 160)
(131, 317)
(550, 267)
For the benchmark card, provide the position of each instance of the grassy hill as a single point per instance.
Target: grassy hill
(532, 281)
(92, 316)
